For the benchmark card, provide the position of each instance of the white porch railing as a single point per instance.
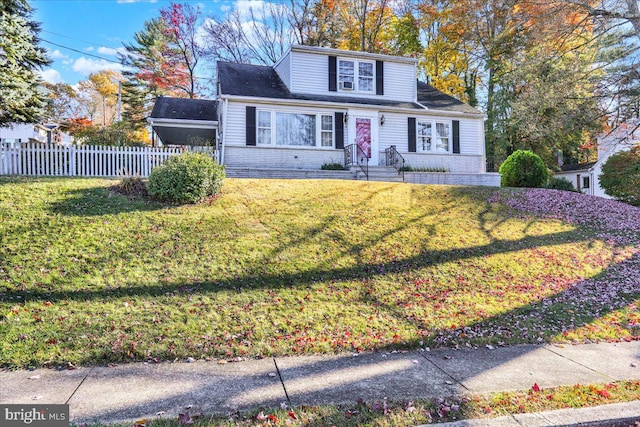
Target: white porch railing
(86, 161)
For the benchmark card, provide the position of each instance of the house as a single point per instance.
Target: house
(319, 106)
(49, 133)
(584, 176)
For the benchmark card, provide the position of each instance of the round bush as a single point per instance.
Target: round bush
(560, 184)
(523, 168)
(620, 177)
(186, 178)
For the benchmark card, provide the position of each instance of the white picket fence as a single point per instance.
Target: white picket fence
(86, 161)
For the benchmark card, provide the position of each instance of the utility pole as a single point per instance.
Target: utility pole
(119, 100)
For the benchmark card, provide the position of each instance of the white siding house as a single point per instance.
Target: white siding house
(315, 103)
(585, 177)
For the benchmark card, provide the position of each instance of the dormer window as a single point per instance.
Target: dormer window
(355, 75)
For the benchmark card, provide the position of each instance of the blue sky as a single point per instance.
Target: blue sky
(99, 27)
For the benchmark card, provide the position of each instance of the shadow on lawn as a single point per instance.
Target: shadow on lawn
(435, 376)
(100, 201)
(585, 299)
(570, 308)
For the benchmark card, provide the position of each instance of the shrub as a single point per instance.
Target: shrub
(620, 177)
(116, 134)
(560, 184)
(333, 167)
(412, 169)
(187, 178)
(132, 186)
(523, 168)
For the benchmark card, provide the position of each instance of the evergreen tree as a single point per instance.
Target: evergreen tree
(20, 60)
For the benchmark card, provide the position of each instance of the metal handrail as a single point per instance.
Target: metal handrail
(393, 158)
(354, 155)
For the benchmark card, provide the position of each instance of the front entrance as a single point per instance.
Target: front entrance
(364, 128)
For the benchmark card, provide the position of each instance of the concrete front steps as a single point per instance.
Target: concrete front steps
(379, 173)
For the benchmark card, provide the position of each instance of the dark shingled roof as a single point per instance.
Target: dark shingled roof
(263, 82)
(576, 167)
(434, 99)
(183, 108)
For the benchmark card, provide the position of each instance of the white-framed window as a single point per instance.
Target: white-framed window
(356, 75)
(346, 75)
(365, 76)
(294, 129)
(443, 137)
(264, 128)
(326, 131)
(425, 137)
(586, 182)
(433, 136)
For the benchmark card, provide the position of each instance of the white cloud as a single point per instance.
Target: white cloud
(51, 76)
(244, 7)
(102, 50)
(56, 54)
(90, 49)
(87, 66)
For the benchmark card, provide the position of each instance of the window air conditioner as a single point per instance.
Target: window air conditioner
(346, 85)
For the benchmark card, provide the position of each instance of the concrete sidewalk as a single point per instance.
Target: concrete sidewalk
(140, 390)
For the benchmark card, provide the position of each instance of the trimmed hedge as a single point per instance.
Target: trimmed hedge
(523, 168)
(560, 184)
(186, 178)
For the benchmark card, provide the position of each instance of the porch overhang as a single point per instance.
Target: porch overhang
(178, 121)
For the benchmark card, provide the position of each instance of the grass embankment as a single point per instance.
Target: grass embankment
(88, 276)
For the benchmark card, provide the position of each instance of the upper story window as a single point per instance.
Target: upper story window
(356, 75)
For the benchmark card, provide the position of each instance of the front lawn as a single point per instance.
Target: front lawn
(274, 267)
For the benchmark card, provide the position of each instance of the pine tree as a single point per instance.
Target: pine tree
(20, 59)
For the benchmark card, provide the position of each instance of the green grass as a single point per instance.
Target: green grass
(416, 412)
(282, 267)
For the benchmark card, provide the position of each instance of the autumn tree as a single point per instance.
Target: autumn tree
(62, 102)
(445, 61)
(620, 176)
(261, 36)
(164, 57)
(20, 60)
(99, 93)
(146, 65)
(183, 50)
(315, 23)
(363, 22)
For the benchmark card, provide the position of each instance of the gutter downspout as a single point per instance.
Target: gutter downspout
(224, 130)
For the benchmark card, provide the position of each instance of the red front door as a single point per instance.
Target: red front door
(363, 135)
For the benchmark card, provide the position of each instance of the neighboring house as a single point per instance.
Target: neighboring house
(316, 104)
(585, 176)
(49, 133)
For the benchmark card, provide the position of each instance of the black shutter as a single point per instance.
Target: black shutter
(456, 136)
(379, 78)
(412, 134)
(333, 74)
(251, 125)
(339, 131)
